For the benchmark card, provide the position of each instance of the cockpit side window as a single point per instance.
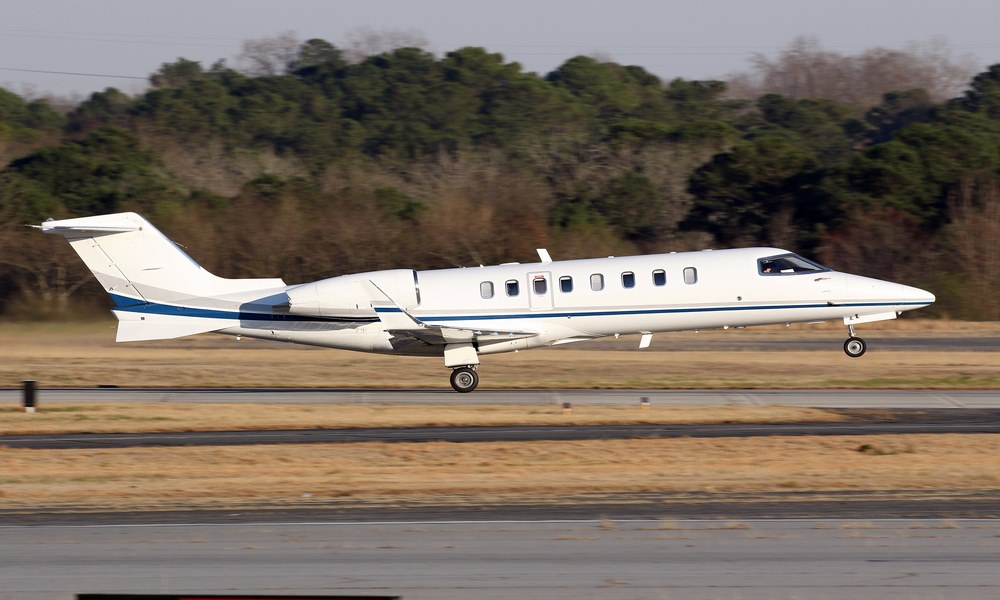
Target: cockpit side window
(787, 264)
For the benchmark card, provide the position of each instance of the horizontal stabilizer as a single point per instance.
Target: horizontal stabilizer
(138, 327)
(91, 225)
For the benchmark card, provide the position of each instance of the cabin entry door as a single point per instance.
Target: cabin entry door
(540, 290)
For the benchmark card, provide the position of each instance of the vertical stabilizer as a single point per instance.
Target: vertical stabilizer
(145, 272)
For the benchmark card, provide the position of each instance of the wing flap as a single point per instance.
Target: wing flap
(440, 336)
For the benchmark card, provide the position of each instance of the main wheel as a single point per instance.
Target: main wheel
(855, 347)
(464, 379)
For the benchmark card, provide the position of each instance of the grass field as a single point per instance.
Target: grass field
(239, 478)
(407, 474)
(86, 355)
(123, 417)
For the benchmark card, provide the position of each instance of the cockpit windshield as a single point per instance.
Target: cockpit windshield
(787, 264)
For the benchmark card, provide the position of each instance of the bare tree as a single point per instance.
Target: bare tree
(806, 70)
(365, 41)
(880, 242)
(41, 273)
(269, 55)
(942, 74)
(972, 262)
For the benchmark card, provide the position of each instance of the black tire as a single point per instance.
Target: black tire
(464, 380)
(855, 347)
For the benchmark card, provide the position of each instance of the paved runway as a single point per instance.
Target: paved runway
(528, 556)
(542, 560)
(820, 398)
(884, 422)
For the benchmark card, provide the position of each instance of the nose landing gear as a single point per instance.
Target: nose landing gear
(854, 346)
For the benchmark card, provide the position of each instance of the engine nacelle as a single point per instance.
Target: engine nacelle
(351, 296)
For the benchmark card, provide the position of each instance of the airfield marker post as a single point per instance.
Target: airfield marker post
(644, 403)
(567, 408)
(29, 396)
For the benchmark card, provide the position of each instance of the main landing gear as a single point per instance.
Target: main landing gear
(854, 346)
(464, 379)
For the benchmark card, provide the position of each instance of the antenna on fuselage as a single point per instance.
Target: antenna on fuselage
(543, 254)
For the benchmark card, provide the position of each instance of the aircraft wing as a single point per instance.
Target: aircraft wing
(400, 323)
(439, 336)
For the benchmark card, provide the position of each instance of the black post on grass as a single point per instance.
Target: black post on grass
(29, 396)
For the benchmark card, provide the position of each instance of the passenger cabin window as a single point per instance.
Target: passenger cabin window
(659, 277)
(628, 279)
(565, 284)
(512, 288)
(597, 282)
(788, 264)
(690, 275)
(540, 285)
(486, 289)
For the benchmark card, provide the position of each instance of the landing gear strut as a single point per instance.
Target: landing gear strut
(854, 346)
(464, 379)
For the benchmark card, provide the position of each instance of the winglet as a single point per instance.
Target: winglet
(392, 315)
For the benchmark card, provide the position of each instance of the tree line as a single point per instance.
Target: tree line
(314, 165)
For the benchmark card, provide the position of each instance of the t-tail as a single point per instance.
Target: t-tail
(158, 290)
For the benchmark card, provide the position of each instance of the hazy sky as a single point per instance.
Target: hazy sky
(694, 39)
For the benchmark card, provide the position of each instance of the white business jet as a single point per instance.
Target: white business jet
(160, 292)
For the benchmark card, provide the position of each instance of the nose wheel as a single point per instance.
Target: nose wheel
(854, 346)
(464, 379)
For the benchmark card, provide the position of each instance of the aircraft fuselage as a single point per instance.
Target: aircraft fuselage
(575, 300)
(159, 293)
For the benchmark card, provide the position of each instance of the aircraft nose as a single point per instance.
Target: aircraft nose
(923, 296)
(875, 290)
(914, 295)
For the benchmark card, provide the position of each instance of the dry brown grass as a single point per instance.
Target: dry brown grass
(86, 355)
(441, 473)
(145, 417)
(399, 474)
